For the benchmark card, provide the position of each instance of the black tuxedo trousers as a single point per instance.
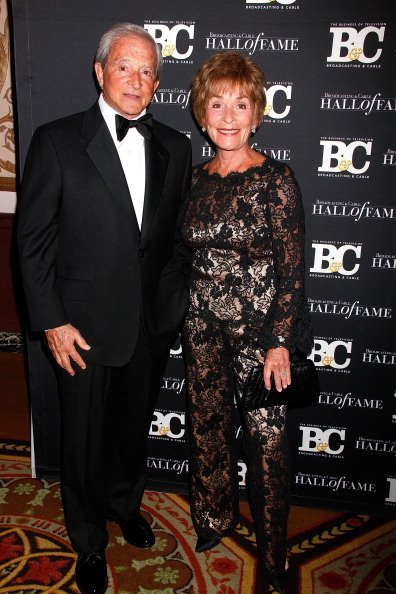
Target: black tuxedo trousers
(106, 416)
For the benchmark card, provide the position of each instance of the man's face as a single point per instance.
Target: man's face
(128, 79)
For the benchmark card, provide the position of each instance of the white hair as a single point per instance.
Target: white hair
(126, 30)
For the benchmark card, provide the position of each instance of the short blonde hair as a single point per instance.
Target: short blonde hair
(225, 70)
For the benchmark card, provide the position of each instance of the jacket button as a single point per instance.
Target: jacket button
(141, 253)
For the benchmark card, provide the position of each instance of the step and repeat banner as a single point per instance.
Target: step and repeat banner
(331, 92)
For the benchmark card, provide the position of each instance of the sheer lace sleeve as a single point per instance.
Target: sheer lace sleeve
(286, 220)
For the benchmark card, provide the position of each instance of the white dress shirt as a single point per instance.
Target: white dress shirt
(132, 157)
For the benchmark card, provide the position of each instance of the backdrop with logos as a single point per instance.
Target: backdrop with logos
(331, 95)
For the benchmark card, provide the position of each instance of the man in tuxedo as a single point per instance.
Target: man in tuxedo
(104, 268)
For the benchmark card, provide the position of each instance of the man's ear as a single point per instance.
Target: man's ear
(99, 73)
(157, 82)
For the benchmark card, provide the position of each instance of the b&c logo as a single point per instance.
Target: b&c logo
(177, 349)
(167, 38)
(339, 156)
(331, 354)
(278, 101)
(330, 259)
(284, 2)
(349, 44)
(315, 440)
(272, 4)
(169, 425)
(391, 498)
(242, 468)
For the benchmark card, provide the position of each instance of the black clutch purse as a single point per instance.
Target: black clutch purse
(304, 388)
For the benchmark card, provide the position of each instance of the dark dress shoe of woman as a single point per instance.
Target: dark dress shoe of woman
(91, 573)
(136, 531)
(276, 580)
(205, 544)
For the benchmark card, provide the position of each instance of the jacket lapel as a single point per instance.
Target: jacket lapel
(103, 154)
(157, 158)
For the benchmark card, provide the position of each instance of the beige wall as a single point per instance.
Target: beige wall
(7, 139)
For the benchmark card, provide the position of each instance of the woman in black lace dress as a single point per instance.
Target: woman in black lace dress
(245, 226)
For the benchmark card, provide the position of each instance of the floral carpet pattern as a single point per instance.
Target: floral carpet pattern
(14, 459)
(356, 555)
(36, 556)
(351, 553)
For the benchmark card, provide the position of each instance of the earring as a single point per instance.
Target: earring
(203, 129)
(253, 129)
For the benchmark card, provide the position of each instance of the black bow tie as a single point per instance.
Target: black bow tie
(144, 125)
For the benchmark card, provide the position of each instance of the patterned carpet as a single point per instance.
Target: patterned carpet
(343, 554)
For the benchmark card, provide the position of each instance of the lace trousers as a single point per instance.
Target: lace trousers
(218, 357)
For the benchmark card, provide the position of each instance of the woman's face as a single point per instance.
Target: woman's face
(229, 117)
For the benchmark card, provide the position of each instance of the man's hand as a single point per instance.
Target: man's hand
(277, 362)
(61, 343)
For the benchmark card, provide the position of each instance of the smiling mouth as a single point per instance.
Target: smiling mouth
(228, 132)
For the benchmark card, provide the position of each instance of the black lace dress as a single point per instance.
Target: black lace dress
(246, 231)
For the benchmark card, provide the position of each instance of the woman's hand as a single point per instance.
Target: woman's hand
(277, 362)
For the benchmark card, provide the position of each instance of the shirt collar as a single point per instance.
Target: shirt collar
(109, 114)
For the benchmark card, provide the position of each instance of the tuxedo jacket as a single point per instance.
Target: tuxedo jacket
(83, 258)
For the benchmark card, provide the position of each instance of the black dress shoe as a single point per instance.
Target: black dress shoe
(136, 531)
(91, 573)
(276, 580)
(205, 544)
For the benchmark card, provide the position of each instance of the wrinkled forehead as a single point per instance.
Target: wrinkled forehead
(131, 46)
